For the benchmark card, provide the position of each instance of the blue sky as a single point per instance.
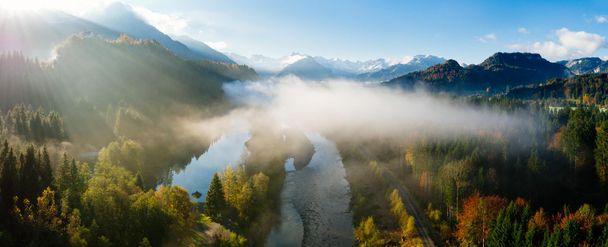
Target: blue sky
(467, 31)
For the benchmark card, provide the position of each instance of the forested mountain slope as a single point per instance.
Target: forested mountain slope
(103, 71)
(588, 88)
(498, 72)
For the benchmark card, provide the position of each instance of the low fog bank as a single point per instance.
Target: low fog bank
(340, 106)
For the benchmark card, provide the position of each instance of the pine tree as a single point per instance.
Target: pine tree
(29, 175)
(603, 239)
(63, 174)
(215, 202)
(46, 172)
(70, 183)
(36, 132)
(56, 126)
(498, 234)
(601, 153)
(76, 185)
(8, 182)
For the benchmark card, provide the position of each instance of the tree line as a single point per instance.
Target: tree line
(78, 204)
(555, 161)
(32, 125)
(560, 160)
(235, 199)
(495, 221)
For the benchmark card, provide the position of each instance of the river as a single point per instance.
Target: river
(229, 149)
(315, 202)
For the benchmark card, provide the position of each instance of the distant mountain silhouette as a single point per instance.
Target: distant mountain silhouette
(122, 18)
(350, 69)
(418, 62)
(586, 65)
(339, 67)
(307, 68)
(496, 73)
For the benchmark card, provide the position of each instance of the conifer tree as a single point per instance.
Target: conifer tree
(8, 182)
(46, 172)
(29, 175)
(215, 202)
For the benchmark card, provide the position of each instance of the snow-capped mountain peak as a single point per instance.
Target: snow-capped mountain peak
(294, 57)
(338, 67)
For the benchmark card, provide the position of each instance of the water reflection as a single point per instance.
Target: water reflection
(291, 229)
(196, 176)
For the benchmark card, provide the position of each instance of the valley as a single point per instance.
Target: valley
(212, 123)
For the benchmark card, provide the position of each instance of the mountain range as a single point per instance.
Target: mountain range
(204, 50)
(368, 70)
(139, 72)
(266, 65)
(347, 68)
(416, 63)
(122, 18)
(307, 68)
(37, 33)
(586, 65)
(497, 73)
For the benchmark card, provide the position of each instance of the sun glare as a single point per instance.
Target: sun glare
(70, 6)
(21, 5)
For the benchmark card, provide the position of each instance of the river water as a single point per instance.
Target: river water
(315, 202)
(229, 149)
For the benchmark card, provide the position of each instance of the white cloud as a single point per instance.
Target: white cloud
(570, 44)
(523, 30)
(487, 38)
(547, 49)
(218, 45)
(605, 58)
(585, 43)
(172, 24)
(601, 19)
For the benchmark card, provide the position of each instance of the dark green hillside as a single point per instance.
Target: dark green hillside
(588, 89)
(141, 72)
(103, 72)
(495, 74)
(108, 89)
